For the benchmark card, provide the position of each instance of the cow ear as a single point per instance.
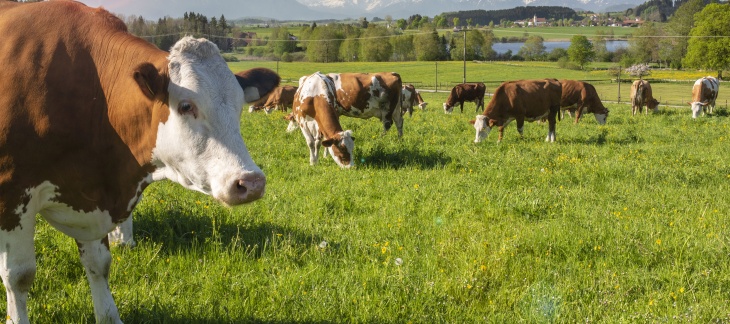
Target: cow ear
(472, 122)
(328, 142)
(149, 80)
(689, 103)
(257, 83)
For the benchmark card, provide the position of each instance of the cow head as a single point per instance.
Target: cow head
(448, 109)
(340, 147)
(482, 125)
(697, 107)
(423, 105)
(199, 144)
(601, 116)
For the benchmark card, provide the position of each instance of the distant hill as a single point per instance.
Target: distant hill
(483, 17)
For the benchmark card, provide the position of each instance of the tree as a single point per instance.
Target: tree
(639, 70)
(428, 46)
(712, 53)
(644, 45)
(374, 46)
(403, 48)
(324, 45)
(279, 42)
(580, 50)
(533, 49)
(681, 24)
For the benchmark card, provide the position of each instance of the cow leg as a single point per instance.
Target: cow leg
(462, 107)
(520, 125)
(96, 259)
(578, 113)
(311, 143)
(501, 133)
(122, 235)
(551, 124)
(18, 267)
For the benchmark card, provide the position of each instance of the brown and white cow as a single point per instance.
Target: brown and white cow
(89, 116)
(314, 112)
(366, 95)
(704, 94)
(524, 100)
(471, 92)
(281, 98)
(410, 98)
(641, 95)
(580, 97)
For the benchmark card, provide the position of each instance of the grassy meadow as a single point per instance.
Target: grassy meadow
(621, 223)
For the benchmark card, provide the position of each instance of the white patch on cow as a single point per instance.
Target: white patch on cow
(482, 128)
(205, 151)
(80, 225)
(447, 109)
(601, 118)
(18, 266)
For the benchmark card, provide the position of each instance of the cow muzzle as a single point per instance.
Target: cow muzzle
(244, 189)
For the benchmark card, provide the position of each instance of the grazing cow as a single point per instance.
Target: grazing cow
(704, 93)
(580, 97)
(89, 116)
(524, 100)
(410, 96)
(281, 98)
(640, 96)
(366, 95)
(472, 92)
(315, 113)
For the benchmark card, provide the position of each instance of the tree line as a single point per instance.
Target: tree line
(681, 42)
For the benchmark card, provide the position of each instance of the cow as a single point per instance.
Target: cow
(366, 95)
(580, 97)
(472, 92)
(281, 98)
(704, 94)
(314, 112)
(641, 95)
(410, 98)
(91, 115)
(524, 100)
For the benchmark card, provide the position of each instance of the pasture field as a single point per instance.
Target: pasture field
(429, 76)
(565, 33)
(621, 223)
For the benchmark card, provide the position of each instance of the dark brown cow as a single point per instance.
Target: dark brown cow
(704, 94)
(524, 100)
(580, 97)
(281, 98)
(471, 92)
(314, 112)
(89, 116)
(641, 95)
(366, 95)
(410, 98)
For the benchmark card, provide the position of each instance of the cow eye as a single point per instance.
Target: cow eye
(186, 107)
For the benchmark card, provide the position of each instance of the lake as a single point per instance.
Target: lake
(502, 48)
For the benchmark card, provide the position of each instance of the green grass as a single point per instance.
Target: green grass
(622, 223)
(564, 33)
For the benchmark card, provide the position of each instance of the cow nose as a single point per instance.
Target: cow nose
(246, 189)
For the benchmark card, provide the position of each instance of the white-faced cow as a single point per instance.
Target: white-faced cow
(411, 97)
(524, 100)
(366, 95)
(581, 97)
(471, 92)
(315, 114)
(704, 94)
(89, 116)
(641, 95)
(281, 98)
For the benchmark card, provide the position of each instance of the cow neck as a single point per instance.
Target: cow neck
(133, 115)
